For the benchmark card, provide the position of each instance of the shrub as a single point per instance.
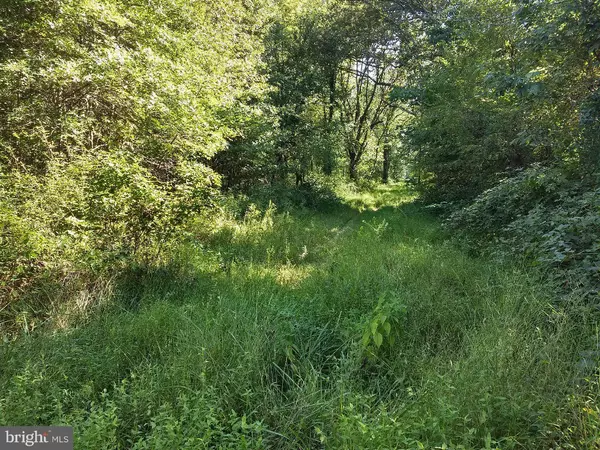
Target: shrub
(91, 215)
(314, 193)
(544, 215)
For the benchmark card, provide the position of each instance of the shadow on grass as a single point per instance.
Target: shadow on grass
(245, 270)
(269, 314)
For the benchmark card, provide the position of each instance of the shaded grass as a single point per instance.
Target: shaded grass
(251, 338)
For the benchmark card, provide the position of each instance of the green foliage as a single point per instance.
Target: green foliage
(511, 198)
(191, 420)
(331, 67)
(115, 212)
(251, 338)
(513, 85)
(149, 309)
(112, 110)
(506, 131)
(316, 194)
(545, 216)
(118, 75)
(377, 333)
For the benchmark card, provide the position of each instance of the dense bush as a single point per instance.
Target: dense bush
(510, 198)
(90, 215)
(112, 109)
(506, 130)
(546, 216)
(520, 89)
(316, 193)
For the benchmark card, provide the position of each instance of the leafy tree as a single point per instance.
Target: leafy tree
(508, 84)
(111, 112)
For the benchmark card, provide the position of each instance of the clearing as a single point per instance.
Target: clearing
(356, 327)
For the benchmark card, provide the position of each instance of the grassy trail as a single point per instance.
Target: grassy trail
(360, 327)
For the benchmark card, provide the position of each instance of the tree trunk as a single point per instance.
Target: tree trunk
(328, 163)
(387, 150)
(352, 167)
(332, 77)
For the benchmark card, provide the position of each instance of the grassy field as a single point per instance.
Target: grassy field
(358, 327)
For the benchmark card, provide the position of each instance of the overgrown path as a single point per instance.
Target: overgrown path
(349, 328)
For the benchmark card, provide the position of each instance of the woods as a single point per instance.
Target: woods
(229, 164)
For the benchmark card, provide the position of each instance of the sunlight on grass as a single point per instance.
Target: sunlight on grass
(292, 275)
(392, 195)
(256, 335)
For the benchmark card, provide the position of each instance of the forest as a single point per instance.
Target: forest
(301, 224)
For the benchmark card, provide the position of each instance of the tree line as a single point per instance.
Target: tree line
(122, 119)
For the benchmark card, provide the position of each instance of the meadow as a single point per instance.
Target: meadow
(360, 324)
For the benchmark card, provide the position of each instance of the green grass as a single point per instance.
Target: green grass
(260, 333)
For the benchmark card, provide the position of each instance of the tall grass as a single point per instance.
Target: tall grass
(254, 337)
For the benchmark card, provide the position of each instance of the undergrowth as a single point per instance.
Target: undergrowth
(355, 327)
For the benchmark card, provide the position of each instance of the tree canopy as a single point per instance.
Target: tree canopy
(301, 223)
